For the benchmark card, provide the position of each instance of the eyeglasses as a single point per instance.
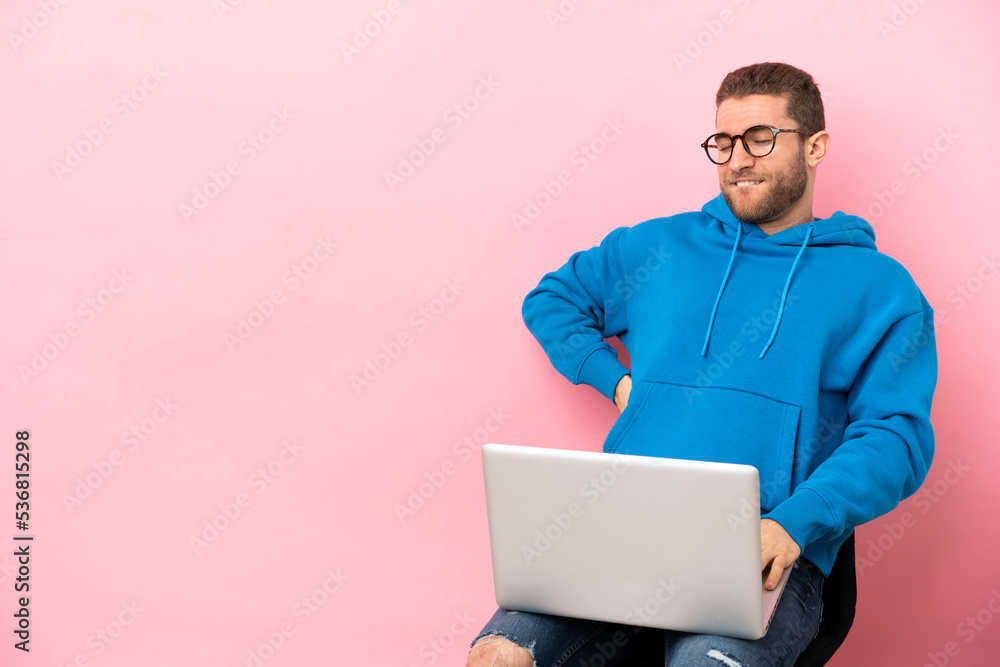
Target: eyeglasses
(758, 141)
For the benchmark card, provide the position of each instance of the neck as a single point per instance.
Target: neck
(799, 213)
(784, 222)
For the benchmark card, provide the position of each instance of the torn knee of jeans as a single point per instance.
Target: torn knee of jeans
(723, 658)
(488, 636)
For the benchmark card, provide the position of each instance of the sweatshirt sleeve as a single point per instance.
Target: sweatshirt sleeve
(887, 446)
(572, 311)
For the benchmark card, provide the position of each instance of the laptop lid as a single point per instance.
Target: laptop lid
(655, 542)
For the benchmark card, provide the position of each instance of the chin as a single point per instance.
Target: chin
(744, 212)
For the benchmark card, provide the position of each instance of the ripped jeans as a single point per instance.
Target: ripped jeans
(556, 641)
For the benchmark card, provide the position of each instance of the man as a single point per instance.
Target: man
(758, 334)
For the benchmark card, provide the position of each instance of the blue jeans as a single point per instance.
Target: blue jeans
(556, 641)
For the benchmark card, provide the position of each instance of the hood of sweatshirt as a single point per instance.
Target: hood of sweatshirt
(838, 229)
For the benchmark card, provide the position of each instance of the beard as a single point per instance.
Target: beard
(787, 187)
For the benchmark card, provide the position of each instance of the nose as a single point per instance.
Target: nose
(740, 159)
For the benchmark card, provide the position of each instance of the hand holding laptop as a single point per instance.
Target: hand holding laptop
(777, 549)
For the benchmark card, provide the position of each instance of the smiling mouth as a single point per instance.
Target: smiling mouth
(746, 184)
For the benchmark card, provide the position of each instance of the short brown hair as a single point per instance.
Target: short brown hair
(804, 106)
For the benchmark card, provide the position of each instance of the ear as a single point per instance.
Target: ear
(816, 147)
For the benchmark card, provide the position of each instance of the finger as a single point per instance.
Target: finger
(767, 555)
(774, 575)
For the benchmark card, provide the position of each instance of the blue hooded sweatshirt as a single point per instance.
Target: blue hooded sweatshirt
(807, 354)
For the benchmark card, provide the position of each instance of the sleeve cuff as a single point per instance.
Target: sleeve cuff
(806, 517)
(602, 371)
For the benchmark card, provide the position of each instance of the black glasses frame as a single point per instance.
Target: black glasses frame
(742, 137)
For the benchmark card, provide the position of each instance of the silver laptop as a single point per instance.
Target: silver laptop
(644, 541)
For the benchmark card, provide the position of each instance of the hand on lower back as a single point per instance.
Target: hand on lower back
(622, 391)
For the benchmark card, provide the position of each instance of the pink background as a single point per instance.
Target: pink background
(900, 80)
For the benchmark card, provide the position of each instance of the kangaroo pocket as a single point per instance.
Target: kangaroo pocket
(711, 424)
